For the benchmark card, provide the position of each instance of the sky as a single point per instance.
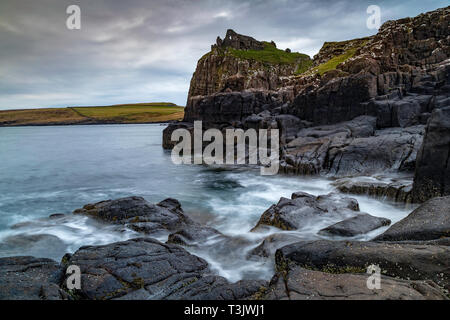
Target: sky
(146, 50)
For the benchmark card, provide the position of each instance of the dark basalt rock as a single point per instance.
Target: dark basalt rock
(194, 234)
(432, 177)
(360, 224)
(406, 261)
(37, 245)
(233, 106)
(398, 190)
(273, 242)
(352, 149)
(336, 101)
(298, 283)
(29, 278)
(148, 269)
(294, 213)
(430, 221)
(138, 214)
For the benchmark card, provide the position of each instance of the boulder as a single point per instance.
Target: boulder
(304, 208)
(406, 261)
(429, 221)
(29, 278)
(145, 268)
(352, 148)
(360, 224)
(138, 214)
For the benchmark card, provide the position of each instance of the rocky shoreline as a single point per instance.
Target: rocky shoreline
(413, 255)
(385, 111)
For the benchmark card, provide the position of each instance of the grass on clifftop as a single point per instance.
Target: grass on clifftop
(270, 54)
(335, 61)
(142, 112)
(127, 113)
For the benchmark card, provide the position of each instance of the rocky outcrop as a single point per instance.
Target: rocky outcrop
(146, 269)
(432, 177)
(352, 148)
(194, 234)
(304, 208)
(404, 56)
(29, 278)
(360, 224)
(398, 190)
(138, 214)
(297, 283)
(406, 261)
(235, 64)
(358, 109)
(428, 222)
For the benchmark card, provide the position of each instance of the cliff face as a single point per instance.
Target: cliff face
(335, 111)
(403, 57)
(239, 63)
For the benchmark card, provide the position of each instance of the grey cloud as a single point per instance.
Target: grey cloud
(136, 51)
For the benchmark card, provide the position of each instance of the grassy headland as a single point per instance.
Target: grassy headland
(125, 113)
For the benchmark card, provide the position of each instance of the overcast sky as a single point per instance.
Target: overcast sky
(144, 50)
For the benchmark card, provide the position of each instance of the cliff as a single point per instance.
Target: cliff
(239, 63)
(360, 107)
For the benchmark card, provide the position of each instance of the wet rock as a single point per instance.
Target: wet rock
(273, 242)
(194, 234)
(430, 221)
(298, 283)
(432, 177)
(337, 100)
(149, 269)
(352, 148)
(406, 261)
(39, 245)
(29, 278)
(388, 150)
(139, 215)
(294, 213)
(398, 190)
(360, 224)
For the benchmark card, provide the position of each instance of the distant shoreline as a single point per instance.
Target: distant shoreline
(141, 113)
(82, 124)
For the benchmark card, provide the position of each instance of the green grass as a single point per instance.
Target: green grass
(270, 54)
(303, 66)
(129, 111)
(126, 113)
(335, 61)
